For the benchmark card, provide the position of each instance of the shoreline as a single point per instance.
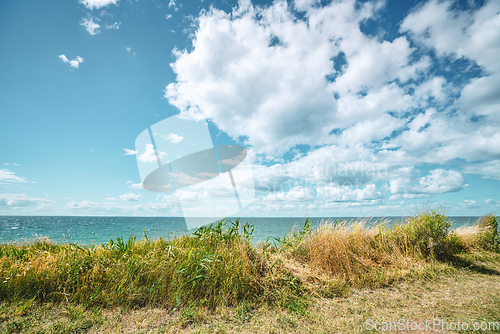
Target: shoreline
(88, 230)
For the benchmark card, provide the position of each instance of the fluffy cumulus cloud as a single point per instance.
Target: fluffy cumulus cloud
(96, 4)
(129, 152)
(91, 26)
(149, 155)
(318, 100)
(441, 181)
(260, 78)
(473, 33)
(134, 185)
(173, 138)
(74, 62)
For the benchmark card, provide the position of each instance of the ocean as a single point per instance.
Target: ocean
(96, 230)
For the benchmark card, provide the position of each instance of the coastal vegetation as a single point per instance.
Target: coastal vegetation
(217, 268)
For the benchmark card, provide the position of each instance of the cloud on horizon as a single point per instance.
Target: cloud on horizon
(21, 201)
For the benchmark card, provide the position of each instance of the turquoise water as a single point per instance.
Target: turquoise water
(88, 230)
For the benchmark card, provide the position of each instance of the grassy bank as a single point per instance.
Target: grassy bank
(217, 269)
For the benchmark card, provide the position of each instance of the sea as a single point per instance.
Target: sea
(97, 230)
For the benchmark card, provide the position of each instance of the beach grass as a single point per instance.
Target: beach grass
(217, 268)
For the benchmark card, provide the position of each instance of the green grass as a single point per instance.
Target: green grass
(217, 266)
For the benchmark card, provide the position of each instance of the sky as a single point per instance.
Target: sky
(346, 108)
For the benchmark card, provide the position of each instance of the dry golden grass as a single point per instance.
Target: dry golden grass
(469, 235)
(355, 254)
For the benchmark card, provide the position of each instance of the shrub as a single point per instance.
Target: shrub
(454, 244)
(427, 233)
(489, 238)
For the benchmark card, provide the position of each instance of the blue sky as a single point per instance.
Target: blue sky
(346, 108)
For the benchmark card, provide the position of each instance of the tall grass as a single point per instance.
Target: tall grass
(217, 265)
(482, 235)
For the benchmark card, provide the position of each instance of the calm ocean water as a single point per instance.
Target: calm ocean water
(88, 230)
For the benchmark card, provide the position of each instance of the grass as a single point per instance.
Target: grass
(216, 276)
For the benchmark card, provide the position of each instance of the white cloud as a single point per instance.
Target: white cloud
(492, 202)
(489, 169)
(131, 197)
(107, 208)
(469, 203)
(339, 164)
(365, 132)
(296, 194)
(445, 138)
(80, 205)
(21, 200)
(407, 196)
(436, 88)
(129, 152)
(73, 63)
(129, 50)
(149, 154)
(168, 17)
(473, 34)
(173, 138)
(114, 26)
(353, 107)
(134, 185)
(441, 181)
(348, 194)
(270, 86)
(480, 98)
(76, 62)
(96, 4)
(173, 4)
(369, 109)
(91, 26)
(187, 179)
(276, 95)
(372, 64)
(7, 176)
(234, 161)
(189, 196)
